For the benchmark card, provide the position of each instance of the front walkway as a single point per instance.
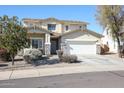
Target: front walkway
(89, 63)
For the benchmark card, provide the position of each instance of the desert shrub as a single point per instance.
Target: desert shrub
(27, 59)
(102, 49)
(36, 54)
(66, 57)
(32, 55)
(4, 55)
(59, 53)
(69, 58)
(73, 58)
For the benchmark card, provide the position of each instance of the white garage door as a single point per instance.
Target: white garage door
(79, 47)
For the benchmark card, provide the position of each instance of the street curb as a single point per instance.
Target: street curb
(17, 74)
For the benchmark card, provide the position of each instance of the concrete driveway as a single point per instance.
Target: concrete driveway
(100, 60)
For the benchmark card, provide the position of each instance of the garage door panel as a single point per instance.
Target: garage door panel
(82, 48)
(81, 42)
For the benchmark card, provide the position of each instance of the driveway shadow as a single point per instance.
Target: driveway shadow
(109, 53)
(78, 61)
(46, 61)
(3, 65)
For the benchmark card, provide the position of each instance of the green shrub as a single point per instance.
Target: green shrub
(4, 55)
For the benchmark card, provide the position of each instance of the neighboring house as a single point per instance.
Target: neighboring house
(52, 34)
(108, 40)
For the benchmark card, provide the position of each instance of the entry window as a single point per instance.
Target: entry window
(84, 27)
(37, 43)
(66, 28)
(51, 26)
(107, 43)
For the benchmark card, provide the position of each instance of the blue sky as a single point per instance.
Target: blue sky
(82, 13)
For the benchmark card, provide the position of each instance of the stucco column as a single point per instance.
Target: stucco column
(47, 44)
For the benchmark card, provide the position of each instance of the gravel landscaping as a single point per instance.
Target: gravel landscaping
(54, 62)
(45, 63)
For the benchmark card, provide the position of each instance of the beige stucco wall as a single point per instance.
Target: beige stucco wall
(80, 36)
(60, 27)
(72, 27)
(37, 31)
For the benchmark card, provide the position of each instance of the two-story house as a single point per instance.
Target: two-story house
(110, 42)
(52, 34)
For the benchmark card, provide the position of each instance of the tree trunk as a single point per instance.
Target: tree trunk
(12, 57)
(119, 48)
(119, 52)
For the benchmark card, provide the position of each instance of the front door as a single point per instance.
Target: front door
(53, 46)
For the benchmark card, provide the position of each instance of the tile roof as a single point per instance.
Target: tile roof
(54, 19)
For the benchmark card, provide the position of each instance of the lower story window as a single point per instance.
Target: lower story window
(37, 43)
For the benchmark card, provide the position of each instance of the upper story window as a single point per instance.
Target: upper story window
(80, 27)
(51, 26)
(66, 28)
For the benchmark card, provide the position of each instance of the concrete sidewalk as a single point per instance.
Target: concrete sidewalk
(15, 74)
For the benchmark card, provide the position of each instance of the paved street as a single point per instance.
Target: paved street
(92, 71)
(113, 79)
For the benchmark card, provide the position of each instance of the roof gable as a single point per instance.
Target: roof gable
(83, 32)
(37, 29)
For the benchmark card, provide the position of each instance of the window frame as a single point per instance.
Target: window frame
(41, 39)
(51, 26)
(66, 27)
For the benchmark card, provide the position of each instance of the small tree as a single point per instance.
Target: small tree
(112, 18)
(14, 35)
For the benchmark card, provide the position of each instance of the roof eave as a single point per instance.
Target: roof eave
(92, 32)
